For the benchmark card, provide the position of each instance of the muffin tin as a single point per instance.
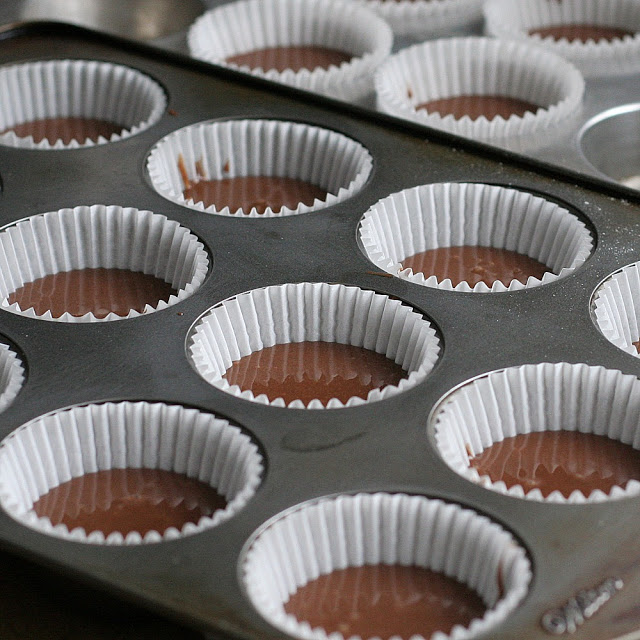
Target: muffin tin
(580, 554)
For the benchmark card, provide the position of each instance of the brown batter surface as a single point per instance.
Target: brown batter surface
(476, 106)
(581, 32)
(261, 192)
(99, 291)
(562, 461)
(295, 58)
(66, 129)
(475, 264)
(314, 370)
(127, 500)
(385, 601)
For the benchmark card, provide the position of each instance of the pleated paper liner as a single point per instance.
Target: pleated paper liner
(514, 20)
(546, 398)
(458, 214)
(90, 239)
(452, 67)
(331, 534)
(316, 312)
(250, 25)
(616, 308)
(114, 101)
(67, 444)
(216, 151)
(427, 18)
(11, 375)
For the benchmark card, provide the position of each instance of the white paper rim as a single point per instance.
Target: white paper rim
(314, 312)
(451, 67)
(616, 308)
(513, 20)
(11, 375)
(106, 236)
(422, 18)
(458, 214)
(77, 88)
(230, 148)
(364, 529)
(247, 25)
(534, 398)
(62, 445)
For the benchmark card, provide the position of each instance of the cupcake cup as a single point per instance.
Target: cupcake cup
(217, 150)
(367, 529)
(426, 18)
(514, 20)
(77, 88)
(452, 67)
(100, 236)
(313, 312)
(458, 214)
(249, 25)
(57, 447)
(536, 398)
(616, 308)
(11, 376)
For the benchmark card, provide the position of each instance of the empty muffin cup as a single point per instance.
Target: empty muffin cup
(473, 237)
(600, 37)
(566, 433)
(97, 263)
(616, 308)
(480, 88)
(338, 553)
(258, 168)
(11, 375)
(326, 46)
(82, 473)
(66, 104)
(313, 345)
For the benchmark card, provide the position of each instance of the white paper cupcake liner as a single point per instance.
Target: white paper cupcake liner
(248, 25)
(458, 214)
(11, 376)
(616, 308)
(55, 448)
(234, 148)
(425, 18)
(513, 20)
(77, 88)
(367, 529)
(313, 312)
(534, 398)
(110, 237)
(452, 67)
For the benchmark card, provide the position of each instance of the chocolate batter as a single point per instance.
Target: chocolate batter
(581, 32)
(475, 106)
(475, 264)
(100, 291)
(560, 460)
(308, 370)
(246, 192)
(385, 601)
(636, 345)
(295, 58)
(127, 500)
(66, 129)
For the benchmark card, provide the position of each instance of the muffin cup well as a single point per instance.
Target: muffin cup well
(217, 150)
(66, 444)
(513, 20)
(314, 312)
(97, 236)
(457, 214)
(452, 67)
(249, 25)
(11, 376)
(535, 398)
(77, 88)
(366, 529)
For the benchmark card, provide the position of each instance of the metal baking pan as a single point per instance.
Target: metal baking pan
(195, 580)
